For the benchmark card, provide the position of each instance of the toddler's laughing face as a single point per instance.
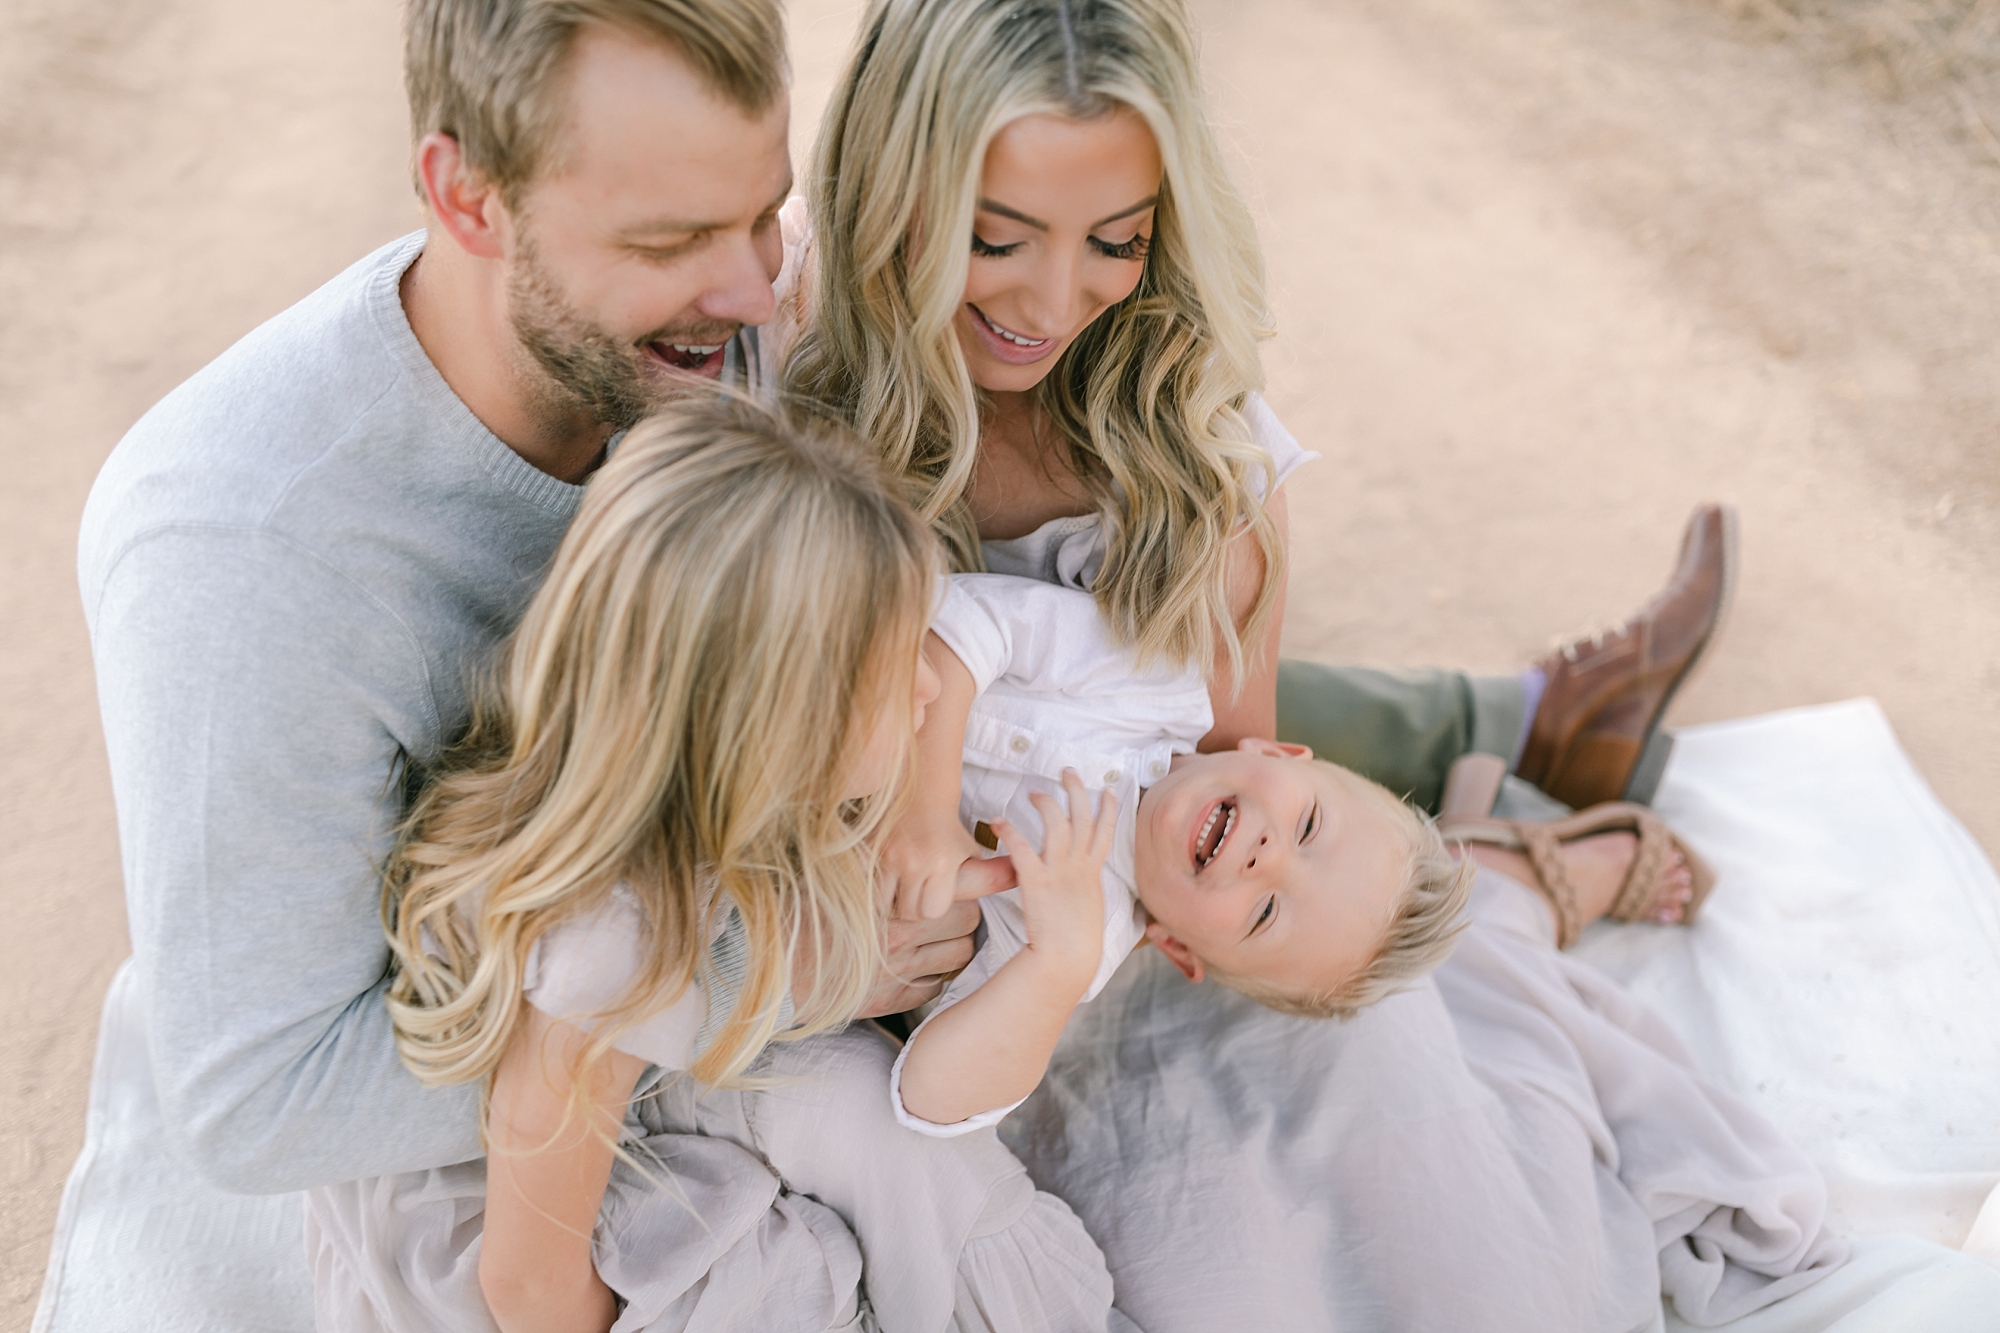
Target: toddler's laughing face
(1259, 862)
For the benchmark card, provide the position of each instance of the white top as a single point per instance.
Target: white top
(1070, 551)
(1055, 692)
(585, 965)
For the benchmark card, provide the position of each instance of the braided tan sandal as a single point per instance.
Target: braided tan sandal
(1542, 844)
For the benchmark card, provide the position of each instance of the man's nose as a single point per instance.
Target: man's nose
(739, 288)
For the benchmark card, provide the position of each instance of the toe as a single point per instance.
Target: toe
(1677, 897)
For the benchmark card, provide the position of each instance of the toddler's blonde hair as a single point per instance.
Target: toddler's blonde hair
(1421, 932)
(677, 712)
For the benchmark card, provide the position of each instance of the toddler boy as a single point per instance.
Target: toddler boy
(1298, 883)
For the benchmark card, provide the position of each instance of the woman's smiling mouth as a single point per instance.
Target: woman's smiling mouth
(1005, 344)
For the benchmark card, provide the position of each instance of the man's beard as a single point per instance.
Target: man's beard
(612, 380)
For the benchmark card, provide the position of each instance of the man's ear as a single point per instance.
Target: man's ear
(1275, 749)
(1177, 953)
(466, 207)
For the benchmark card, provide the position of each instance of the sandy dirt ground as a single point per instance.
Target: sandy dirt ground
(1546, 273)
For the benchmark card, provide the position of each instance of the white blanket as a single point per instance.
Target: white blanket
(1849, 963)
(1846, 973)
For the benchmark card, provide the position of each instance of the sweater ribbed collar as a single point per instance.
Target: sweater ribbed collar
(459, 428)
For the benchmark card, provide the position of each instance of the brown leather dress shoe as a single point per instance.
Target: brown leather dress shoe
(1606, 694)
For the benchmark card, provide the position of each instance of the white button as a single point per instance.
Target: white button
(1158, 770)
(1111, 778)
(1020, 744)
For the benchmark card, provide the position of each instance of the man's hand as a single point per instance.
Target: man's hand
(923, 955)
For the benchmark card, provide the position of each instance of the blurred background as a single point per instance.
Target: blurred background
(1546, 273)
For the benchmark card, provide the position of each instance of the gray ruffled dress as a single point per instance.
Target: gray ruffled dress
(799, 1205)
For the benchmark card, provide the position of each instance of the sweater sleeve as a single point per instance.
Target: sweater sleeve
(256, 706)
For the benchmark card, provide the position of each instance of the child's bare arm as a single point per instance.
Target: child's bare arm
(924, 855)
(545, 1180)
(991, 1048)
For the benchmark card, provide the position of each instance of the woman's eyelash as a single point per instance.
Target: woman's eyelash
(1133, 249)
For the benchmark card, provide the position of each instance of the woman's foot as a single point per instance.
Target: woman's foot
(1597, 866)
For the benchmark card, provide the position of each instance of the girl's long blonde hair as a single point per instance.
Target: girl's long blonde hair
(677, 712)
(1149, 399)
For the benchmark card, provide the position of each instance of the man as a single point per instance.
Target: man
(292, 562)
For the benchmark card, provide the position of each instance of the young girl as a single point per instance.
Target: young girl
(651, 851)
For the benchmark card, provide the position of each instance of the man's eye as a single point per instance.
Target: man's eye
(1133, 249)
(989, 251)
(667, 254)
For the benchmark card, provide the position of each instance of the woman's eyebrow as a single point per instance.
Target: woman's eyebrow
(990, 206)
(1139, 207)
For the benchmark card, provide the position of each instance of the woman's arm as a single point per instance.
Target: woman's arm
(545, 1178)
(924, 858)
(991, 1048)
(1254, 712)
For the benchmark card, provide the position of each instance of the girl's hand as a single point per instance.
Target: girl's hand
(927, 863)
(1062, 886)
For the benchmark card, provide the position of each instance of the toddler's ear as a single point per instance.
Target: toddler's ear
(1177, 953)
(1275, 749)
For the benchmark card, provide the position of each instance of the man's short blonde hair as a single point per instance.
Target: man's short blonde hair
(1426, 923)
(490, 72)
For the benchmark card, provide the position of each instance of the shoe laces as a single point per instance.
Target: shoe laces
(1574, 648)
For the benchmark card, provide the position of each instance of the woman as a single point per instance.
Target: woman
(1031, 282)
(1033, 287)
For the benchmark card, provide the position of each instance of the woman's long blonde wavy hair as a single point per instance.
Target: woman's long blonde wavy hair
(1149, 399)
(677, 712)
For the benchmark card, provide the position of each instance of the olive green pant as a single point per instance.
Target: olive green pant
(1403, 729)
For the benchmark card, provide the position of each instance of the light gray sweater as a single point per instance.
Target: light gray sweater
(289, 566)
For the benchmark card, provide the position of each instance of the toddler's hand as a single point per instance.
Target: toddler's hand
(1062, 893)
